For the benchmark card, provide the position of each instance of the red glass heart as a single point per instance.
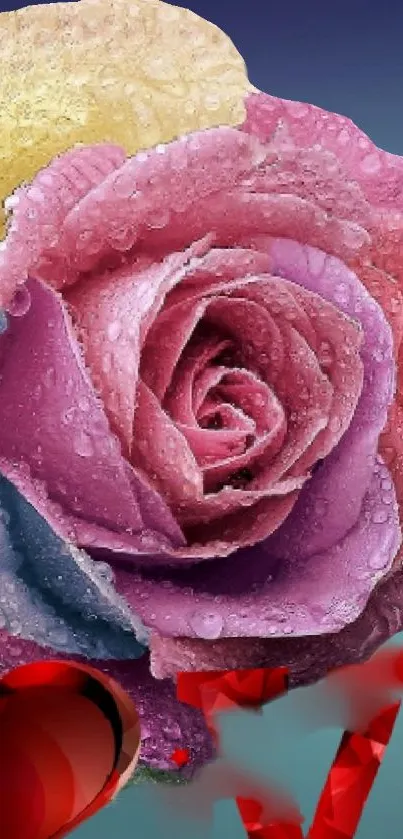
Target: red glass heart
(70, 738)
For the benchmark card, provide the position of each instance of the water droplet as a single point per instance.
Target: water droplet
(5, 518)
(380, 516)
(114, 329)
(15, 627)
(378, 561)
(206, 625)
(151, 743)
(105, 571)
(160, 220)
(82, 444)
(68, 416)
(3, 322)
(172, 730)
(20, 303)
(342, 293)
(84, 403)
(335, 424)
(58, 635)
(378, 354)
(49, 378)
(325, 354)
(321, 507)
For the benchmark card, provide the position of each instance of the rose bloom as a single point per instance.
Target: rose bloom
(200, 438)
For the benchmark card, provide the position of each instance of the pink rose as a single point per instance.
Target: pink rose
(195, 377)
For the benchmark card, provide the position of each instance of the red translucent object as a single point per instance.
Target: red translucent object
(180, 757)
(70, 738)
(214, 691)
(351, 775)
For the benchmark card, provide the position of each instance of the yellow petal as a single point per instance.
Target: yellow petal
(135, 72)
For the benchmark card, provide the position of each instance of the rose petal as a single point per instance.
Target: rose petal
(166, 340)
(378, 173)
(164, 453)
(307, 409)
(354, 455)
(315, 153)
(56, 445)
(238, 215)
(250, 594)
(308, 658)
(112, 314)
(33, 240)
(257, 427)
(145, 194)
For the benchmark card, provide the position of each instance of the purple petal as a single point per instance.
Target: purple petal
(330, 502)
(250, 594)
(308, 659)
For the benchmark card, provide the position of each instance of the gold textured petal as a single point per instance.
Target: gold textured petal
(135, 72)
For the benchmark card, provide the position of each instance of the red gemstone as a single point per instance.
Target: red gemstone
(70, 738)
(180, 757)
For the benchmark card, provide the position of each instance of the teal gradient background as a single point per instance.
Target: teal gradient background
(346, 57)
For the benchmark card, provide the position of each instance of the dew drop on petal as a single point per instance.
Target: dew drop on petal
(114, 329)
(206, 625)
(172, 730)
(84, 403)
(20, 303)
(3, 322)
(82, 444)
(380, 516)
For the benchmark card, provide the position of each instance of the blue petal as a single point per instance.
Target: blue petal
(54, 594)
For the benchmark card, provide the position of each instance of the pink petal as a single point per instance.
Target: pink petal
(151, 190)
(56, 445)
(161, 451)
(378, 173)
(335, 340)
(307, 409)
(33, 240)
(112, 314)
(326, 156)
(166, 340)
(259, 427)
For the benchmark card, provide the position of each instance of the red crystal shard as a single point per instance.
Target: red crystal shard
(214, 691)
(351, 777)
(70, 738)
(242, 688)
(180, 757)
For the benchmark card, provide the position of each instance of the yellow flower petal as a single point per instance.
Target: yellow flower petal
(135, 72)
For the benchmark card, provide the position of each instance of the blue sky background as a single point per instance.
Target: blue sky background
(346, 57)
